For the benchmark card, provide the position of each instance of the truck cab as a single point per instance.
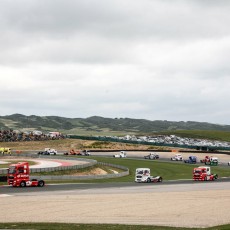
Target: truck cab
(203, 173)
(177, 157)
(191, 160)
(122, 154)
(152, 156)
(18, 175)
(143, 175)
(5, 151)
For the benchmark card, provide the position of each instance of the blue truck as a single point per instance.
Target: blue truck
(191, 160)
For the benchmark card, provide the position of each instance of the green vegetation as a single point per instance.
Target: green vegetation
(61, 226)
(168, 170)
(103, 126)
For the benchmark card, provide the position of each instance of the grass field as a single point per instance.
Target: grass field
(168, 170)
(60, 226)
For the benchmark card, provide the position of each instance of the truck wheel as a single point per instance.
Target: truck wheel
(22, 184)
(205, 179)
(41, 183)
(148, 180)
(160, 179)
(216, 177)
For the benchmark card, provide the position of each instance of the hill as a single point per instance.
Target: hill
(102, 126)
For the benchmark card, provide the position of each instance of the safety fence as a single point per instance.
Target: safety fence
(89, 177)
(90, 163)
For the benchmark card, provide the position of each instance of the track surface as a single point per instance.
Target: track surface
(182, 203)
(81, 186)
(148, 204)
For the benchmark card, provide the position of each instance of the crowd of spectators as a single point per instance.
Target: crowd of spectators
(13, 135)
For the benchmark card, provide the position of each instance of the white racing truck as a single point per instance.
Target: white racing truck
(122, 154)
(143, 176)
(177, 157)
(48, 151)
(152, 156)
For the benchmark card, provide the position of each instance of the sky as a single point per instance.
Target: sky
(148, 59)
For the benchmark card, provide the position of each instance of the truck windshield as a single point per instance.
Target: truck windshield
(12, 170)
(197, 171)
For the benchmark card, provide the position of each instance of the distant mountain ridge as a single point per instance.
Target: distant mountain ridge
(96, 123)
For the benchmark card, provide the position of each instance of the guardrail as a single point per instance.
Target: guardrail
(72, 177)
(58, 168)
(88, 177)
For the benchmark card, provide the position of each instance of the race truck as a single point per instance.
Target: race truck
(73, 152)
(152, 156)
(18, 175)
(5, 151)
(177, 157)
(48, 151)
(191, 160)
(122, 154)
(203, 173)
(86, 153)
(210, 160)
(143, 176)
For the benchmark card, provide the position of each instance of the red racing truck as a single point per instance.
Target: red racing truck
(19, 176)
(203, 173)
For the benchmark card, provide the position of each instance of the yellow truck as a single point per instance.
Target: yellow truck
(4, 151)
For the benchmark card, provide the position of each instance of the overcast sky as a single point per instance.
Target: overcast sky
(150, 59)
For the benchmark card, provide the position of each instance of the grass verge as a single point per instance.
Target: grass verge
(62, 226)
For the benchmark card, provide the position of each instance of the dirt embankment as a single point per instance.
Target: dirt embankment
(67, 144)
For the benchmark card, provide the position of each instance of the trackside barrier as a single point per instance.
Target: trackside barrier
(91, 162)
(72, 177)
(88, 177)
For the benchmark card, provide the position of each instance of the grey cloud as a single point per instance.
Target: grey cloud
(144, 59)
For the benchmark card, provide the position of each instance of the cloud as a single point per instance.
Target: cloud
(141, 59)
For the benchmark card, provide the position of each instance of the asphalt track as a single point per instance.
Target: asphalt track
(82, 186)
(85, 186)
(170, 203)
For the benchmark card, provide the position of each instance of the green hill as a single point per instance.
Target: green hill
(103, 126)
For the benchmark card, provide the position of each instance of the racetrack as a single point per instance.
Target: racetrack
(185, 205)
(180, 204)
